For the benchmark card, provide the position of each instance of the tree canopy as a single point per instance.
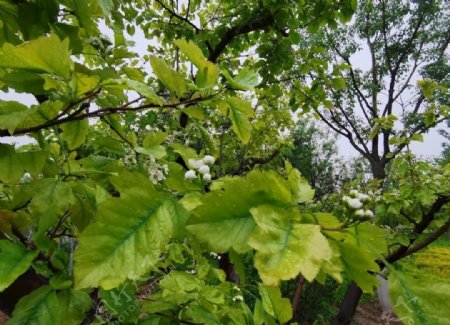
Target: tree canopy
(153, 175)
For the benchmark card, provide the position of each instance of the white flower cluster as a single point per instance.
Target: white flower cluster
(156, 172)
(202, 166)
(356, 202)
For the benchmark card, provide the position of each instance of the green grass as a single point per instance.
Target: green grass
(432, 262)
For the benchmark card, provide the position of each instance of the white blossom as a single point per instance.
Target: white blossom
(345, 198)
(238, 298)
(208, 160)
(204, 169)
(207, 177)
(368, 213)
(26, 178)
(359, 213)
(354, 192)
(354, 203)
(363, 197)
(195, 164)
(189, 175)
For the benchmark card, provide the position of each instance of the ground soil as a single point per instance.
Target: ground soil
(372, 314)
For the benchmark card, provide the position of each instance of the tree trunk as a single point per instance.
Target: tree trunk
(378, 171)
(353, 294)
(349, 304)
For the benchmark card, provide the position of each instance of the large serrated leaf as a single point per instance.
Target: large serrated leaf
(14, 261)
(45, 54)
(224, 220)
(128, 235)
(284, 247)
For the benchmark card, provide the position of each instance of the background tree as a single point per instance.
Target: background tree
(314, 154)
(381, 110)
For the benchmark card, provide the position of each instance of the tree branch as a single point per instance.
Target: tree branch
(99, 113)
(174, 14)
(259, 20)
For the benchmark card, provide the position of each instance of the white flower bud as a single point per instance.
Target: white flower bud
(354, 192)
(359, 213)
(368, 213)
(363, 197)
(354, 203)
(208, 160)
(345, 198)
(195, 164)
(204, 169)
(207, 177)
(189, 175)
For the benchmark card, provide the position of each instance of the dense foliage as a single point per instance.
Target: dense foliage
(154, 175)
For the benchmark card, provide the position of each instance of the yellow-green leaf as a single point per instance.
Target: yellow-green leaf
(170, 78)
(45, 54)
(128, 236)
(284, 247)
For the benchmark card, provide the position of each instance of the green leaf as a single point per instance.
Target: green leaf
(301, 190)
(14, 261)
(419, 300)
(45, 54)
(239, 112)
(74, 133)
(50, 194)
(121, 302)
(246, 79)
(170, 78)
(241, 125)
(241, 105)
(273, 303)
(195, 112)
(107, 6)
(11, 115)
(358, 263)
(260, 316)
(83, 83)
(338, 83)
(208, 140)
(144, 90)
(225, 211)
(207, 75)
(40, 307)
(417, 137)
(284, 247)
(47, 306)
(74, 304)
(152, 139)
(192, 51)
(128, 236)
(13, 165)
